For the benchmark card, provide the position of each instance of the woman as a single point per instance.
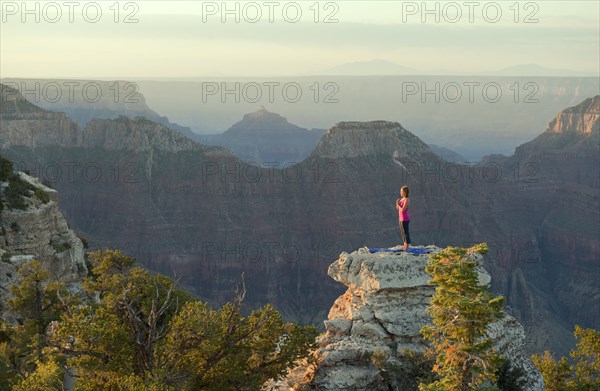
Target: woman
(402, 206)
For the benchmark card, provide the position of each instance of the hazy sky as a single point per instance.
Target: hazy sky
(189, 38)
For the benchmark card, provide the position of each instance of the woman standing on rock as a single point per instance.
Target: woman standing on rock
(402, 206)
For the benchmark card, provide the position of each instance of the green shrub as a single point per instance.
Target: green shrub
(60, 247)
(6, 257)
(415, 367)
(84, 241)
(6, 168)
(583, 374)
(16, 202)
(143, 334)
(42, 195)
(17, 189)
(510, 378)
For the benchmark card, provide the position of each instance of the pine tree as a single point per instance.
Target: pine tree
(461, 309)
(6, 168)
(583, 375)
(557, 374)
(36, 302)
(144, 334)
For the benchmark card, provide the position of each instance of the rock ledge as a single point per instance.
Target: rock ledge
(383, 311)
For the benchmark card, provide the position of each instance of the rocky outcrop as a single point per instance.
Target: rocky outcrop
(356, 139)
(574, 134)
(582, 119)
(40, 232)
(138, 134)
(38, 130)
(25, 124)
(262, 120)
(382, 311)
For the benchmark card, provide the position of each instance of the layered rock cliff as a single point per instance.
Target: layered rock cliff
(573, 133)
(37, 231)
(557, 176)
(137, 135)
(24, 124)
(85, 100)
(359, 139)
(581, 119)
(381, 312)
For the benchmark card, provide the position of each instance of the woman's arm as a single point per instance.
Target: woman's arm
(405, 206)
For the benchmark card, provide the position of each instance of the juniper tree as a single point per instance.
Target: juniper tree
(461, 309)
(36, 303)
(144, 334)
(583, 375)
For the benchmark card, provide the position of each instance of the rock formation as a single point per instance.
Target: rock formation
(85, 100)
(266, 139)
(557, 176)
(40, 232)
(358, 139)
(581, 119)
(382, 311)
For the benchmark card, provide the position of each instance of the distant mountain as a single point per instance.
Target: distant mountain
(448, 154)
(373, 67)
(472, 128)
(262, 121)
(536, 70)
(265, 138)
(387, 68)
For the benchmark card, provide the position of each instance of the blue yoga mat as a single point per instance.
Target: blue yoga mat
(382, 250)
(411, 250)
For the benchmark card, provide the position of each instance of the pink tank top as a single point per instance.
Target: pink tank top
(403, 215)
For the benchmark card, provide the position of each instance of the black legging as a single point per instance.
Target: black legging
(404, 231)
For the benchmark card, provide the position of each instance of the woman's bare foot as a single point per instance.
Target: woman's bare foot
(405, 247)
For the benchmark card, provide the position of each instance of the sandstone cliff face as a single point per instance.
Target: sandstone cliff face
(357, 139)
(383, 310)
(38, 232)
(25, 124)
(573, 134)
(559, 180)
(582, 119)
(38, 130)
(136, 135)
